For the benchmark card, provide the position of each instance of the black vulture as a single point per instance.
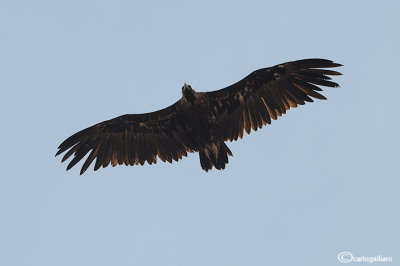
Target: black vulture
(201, 121)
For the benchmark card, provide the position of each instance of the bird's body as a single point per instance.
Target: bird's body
(201, 121)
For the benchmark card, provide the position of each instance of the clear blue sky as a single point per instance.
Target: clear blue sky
(324, 178)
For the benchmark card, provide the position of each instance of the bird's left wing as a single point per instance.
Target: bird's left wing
(131, 139)
(266, 94)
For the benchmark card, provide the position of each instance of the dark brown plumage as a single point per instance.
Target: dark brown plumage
(201, 121)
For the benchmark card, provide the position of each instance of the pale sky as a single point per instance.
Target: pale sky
(323, 179)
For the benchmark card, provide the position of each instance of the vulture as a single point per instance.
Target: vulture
(201, 121)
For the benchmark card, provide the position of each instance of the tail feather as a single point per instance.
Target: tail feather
(214, 154)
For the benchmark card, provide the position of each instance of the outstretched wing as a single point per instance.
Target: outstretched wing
(131, 139)
(266, 94)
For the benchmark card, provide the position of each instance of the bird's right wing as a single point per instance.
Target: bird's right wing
(131, 139)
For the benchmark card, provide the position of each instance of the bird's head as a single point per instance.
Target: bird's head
(186, 88)
(188, 93)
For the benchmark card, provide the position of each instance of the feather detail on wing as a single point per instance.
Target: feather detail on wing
(267, 93)
(131, 139)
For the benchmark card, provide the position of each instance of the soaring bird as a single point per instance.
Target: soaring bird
(201, 121)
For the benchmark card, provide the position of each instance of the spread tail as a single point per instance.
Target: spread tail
(214, 154)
